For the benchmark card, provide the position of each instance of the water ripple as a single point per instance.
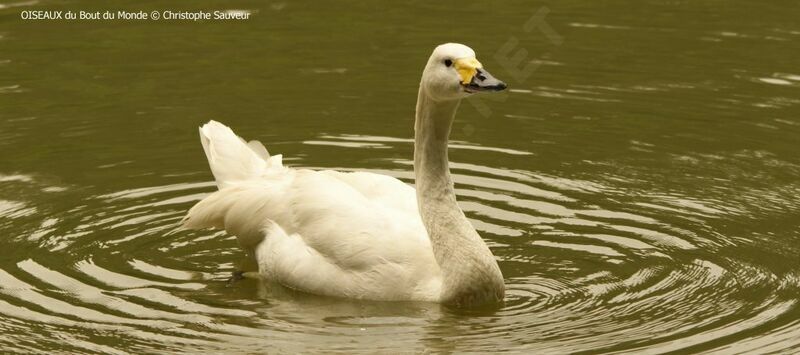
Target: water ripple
(584, 273)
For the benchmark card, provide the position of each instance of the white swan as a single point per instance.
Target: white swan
(356, 234)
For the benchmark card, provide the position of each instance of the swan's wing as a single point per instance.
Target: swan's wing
(314, 230)
(303, 224)
(337, 219)
(382, 189)
(290, 261)
(363, 247)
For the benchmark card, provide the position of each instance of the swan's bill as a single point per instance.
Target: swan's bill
(474, 78)
(467, 68)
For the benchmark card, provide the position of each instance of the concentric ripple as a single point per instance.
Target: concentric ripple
(640, 189)
(589, 266)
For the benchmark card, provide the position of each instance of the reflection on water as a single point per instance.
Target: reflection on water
(640, 190)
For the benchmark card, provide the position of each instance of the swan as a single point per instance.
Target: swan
(356, 234)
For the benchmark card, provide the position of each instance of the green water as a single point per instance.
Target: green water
(639, 183)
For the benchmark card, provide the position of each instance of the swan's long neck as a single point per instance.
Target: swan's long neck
(469, 271)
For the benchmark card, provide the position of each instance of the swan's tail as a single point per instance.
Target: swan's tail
(233, 159)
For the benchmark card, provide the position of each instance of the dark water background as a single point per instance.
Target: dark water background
(639, 183)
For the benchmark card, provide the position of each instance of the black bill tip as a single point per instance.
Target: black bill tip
(483, 81)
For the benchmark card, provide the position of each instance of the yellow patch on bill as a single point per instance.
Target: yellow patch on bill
(467, 68)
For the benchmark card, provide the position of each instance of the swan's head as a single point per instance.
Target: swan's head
(453, 72)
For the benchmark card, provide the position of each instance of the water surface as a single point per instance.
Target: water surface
(639, 183)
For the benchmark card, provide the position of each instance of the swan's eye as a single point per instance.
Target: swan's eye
(448, 62)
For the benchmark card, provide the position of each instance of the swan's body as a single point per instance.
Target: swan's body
(356, 234)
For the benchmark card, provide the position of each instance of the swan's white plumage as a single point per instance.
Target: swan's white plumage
(356, 234)
(348, 234)
(233, 159)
